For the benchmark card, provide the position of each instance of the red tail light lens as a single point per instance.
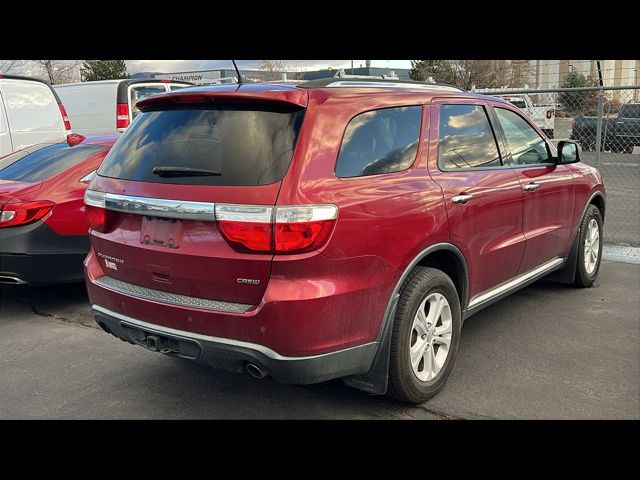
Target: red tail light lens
(122, 116)
(65, 118)
(254, 236)
(297, 229)
(97, 215)
(96, 218)
(14, 214)
(301, 237)
(549, 113)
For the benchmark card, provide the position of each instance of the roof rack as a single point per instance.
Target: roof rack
(383, 83)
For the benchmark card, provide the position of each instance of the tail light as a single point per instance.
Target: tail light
(65, 118)
(122, 116)
(97, 214)
(14, 214)
(292, 229)
(549, 113)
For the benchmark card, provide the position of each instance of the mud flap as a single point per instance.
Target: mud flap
(376, 380)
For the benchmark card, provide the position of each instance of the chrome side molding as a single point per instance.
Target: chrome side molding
(513, 283)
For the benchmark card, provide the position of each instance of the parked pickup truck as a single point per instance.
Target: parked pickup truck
(542, 115)
(619, 134)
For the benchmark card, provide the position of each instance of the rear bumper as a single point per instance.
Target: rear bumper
(328, 307)
(232, 355)
(35, 254)
(38, 269)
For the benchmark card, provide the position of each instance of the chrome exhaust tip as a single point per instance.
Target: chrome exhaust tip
(256, 371)
(7, 280)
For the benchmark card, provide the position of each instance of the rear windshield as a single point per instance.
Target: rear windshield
(250, 145)
(38, 163)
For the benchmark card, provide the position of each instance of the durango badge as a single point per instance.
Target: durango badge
(110, 262)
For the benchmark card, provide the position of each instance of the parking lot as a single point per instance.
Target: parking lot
(547, 352)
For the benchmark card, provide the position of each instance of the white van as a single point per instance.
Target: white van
(30, 113)
(107, 106)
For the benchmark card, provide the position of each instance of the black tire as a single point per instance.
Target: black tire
(583, 279)
(404, 385)
(629, 148)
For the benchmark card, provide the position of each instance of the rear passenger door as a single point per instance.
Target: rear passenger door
(547, 188)
(482, 195)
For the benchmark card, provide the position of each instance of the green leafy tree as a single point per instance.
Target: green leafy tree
(93, 70)
(576, 103)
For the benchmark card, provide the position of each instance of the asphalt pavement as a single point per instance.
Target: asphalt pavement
(547, 352)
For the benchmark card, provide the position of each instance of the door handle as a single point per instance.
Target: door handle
(531, 187)
(465, 198)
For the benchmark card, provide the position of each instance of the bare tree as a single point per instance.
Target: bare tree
(59, 71)
(273, 69)
(11, 66)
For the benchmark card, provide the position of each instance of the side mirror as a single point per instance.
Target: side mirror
(568, 152)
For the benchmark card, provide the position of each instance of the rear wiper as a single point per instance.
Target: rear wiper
(184, 172)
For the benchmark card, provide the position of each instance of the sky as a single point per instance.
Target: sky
(170, 66)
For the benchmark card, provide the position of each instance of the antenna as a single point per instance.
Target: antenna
(238, 72)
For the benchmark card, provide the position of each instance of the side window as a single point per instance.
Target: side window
(138, 93)
(380, 141)
(527, 147)
(466, 139)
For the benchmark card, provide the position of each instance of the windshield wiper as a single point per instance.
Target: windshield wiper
(184, 172)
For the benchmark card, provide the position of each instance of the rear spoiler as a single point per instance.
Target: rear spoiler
(225, 94)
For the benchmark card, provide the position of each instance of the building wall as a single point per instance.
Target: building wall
(551, 73)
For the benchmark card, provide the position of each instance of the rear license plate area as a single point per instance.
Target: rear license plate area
(162, 232)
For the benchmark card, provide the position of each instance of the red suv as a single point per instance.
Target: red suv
(332, 228)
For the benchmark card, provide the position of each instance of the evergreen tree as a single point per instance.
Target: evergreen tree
(103, 70)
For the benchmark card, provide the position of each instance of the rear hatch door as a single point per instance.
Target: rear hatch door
(163, 233)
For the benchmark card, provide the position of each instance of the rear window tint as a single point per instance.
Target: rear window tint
(38, 163)
(246, 145)
(380, 141)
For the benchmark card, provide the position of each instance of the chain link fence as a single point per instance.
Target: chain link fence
(606, 123)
